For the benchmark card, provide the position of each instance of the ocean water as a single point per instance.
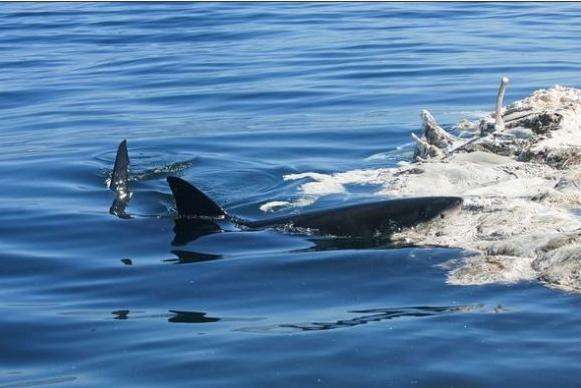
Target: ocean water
(234, 97)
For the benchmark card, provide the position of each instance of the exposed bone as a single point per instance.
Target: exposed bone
(519, 218)
(499, 125)
(424, 150)
(436, 135)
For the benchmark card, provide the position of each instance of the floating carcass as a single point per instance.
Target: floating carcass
(519, 173)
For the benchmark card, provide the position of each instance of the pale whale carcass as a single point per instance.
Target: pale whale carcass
(518, 170)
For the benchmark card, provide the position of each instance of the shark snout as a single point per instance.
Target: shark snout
(451, 205)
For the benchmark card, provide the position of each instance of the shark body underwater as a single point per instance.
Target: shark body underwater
(199, 214)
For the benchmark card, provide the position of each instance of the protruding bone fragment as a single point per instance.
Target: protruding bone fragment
(436, 135)
(499, 123)
(424, 150)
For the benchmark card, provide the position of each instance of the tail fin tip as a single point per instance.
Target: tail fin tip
(120, 174)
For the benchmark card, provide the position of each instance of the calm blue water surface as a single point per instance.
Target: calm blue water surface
(233, 97)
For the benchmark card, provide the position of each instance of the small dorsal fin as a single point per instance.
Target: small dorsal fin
(120, 182)
(191, 202)
(120, 175)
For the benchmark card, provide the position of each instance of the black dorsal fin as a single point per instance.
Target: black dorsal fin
(120, 175)
(120, 182)
(191, 202)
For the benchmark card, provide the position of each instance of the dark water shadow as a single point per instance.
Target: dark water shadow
(177, 316)
(189, 230)
(191, 317)
(174, 316)
(189, 257)
(119, 206)
(324, 243)
(368, 316)
(121, 314)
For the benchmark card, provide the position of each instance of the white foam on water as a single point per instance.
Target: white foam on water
(273, 206)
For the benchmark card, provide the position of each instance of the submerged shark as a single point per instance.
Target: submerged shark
(198, 214)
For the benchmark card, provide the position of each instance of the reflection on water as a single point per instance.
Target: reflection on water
(24, 382)
(186, 257)
(119, 206)
(189, 230)
(177, 316)
(190, 317)
(339, 243)
(362, 317)
(371, 315)
(121, 314)
(173, 316)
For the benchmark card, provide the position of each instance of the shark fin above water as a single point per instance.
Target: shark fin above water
(120, 182)
(191, 202)
(120, 176)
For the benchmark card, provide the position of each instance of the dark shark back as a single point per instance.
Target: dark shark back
(384, 216)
